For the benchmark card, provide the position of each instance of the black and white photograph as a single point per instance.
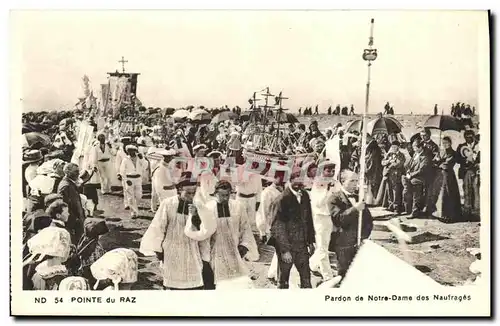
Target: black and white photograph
(332, 154)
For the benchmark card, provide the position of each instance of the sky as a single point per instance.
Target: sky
(216, 58)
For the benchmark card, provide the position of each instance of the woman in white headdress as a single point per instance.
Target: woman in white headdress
(49, 248)
(74, 283)
(118, 267)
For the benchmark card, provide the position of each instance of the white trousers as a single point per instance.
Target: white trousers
(323, 227)
(105, 176)
(248, 205)
(133, 194)
(158, 194)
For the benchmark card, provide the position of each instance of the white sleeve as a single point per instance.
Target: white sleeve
(153, 237)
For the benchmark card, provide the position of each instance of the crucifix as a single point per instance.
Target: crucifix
(123, 61)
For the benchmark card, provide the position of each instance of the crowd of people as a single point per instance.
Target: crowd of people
(337, 111)
(209, 202)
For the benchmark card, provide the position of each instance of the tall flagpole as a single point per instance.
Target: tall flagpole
(369, 55)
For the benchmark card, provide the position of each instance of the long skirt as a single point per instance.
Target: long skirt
(448, 201)
(373, 183)
(471, 193)
(390, 194)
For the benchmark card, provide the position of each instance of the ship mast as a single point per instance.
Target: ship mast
(266, 107)
(280, 112)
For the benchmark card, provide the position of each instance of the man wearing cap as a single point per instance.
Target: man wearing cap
(293, 232)
(144, 140)
(131, 171)
(100, 156)
(163, 179)
(248, 184)
(199, 150)
(120, 155)
(181, 255)
(248, 190)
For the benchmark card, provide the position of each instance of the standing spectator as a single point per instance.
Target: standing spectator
(469, 173)
(293, 232)
(68, 189)
(390, 191)
(414, 180)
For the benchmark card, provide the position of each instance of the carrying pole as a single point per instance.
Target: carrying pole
(369, 55)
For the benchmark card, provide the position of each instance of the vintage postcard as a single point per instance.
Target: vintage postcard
(274, 163)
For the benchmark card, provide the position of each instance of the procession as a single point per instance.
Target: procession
(120, 196)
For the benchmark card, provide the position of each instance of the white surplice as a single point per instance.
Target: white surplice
(225, 235)
(323, 228)
(182, 262)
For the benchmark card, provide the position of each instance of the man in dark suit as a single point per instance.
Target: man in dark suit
(344, 209)
(293, 232)
(415, 179)
(430, 149)
(68, 189)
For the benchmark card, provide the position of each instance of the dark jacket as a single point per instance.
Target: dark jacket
(71, 196)
(418, 168)
(292, 228)
(346, 217)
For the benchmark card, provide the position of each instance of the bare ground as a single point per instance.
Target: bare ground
(439, 250)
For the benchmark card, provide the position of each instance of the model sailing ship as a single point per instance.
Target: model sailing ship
(274, 144)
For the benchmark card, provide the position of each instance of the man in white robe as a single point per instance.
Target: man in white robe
(264, 217)
(207, 180)
(120, 155)
(163, 179)
(323, 225)
(181, 255)
(100, 161)
(131, 171)
(226, 224)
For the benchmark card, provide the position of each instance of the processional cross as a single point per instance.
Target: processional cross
(123, 61)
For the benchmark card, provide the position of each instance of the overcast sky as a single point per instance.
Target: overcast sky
(213, 58)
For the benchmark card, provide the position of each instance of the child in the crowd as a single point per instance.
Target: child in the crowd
(58, 211)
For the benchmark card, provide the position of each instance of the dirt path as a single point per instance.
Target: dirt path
(439, 251)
